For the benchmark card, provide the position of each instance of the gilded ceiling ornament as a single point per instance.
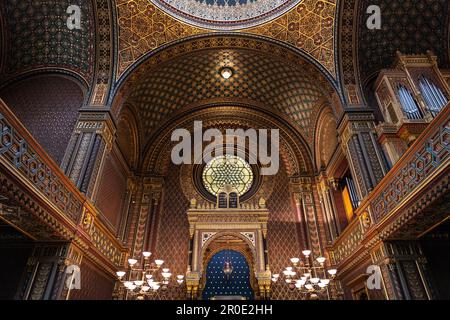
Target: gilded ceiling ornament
(225, 14)
(144, 27)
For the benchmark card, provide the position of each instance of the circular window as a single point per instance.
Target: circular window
(226, 14)
(230, 170)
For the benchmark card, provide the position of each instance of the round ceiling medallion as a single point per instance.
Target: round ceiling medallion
(225, 14)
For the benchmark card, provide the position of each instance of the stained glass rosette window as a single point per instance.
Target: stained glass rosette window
(230, 170)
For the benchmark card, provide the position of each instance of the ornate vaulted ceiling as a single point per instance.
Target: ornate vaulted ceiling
(259, 79)
(226, 14)
(38, 37)
(408, 26)
(144, 27)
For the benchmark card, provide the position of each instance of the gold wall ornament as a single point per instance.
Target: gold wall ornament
(143, 28)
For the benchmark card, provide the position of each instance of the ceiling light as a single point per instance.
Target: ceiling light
(226, 73)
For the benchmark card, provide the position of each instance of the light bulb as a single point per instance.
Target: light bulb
(315, 280)
(139, 282)
(132, 262)
(145, 288)
(321, 260)
(332, 271)
(226, 73)
(165, 270)
(180, 277)
(146, 254)
(309, 286)
(276, 276)
(306, 252)
(295, 260)
(159, 262)
(289, 268)
(325, 281)
(120, 274)
(127, 284)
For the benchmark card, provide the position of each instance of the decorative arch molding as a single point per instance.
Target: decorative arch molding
(56, 99)
(246, 248)
(128, 138)
(220, 40)
(324, 144)
(294, 150)
(106, 52)
(25, 30)
(61, 72)
(249, 254)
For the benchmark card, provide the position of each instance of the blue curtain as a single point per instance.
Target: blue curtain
(237, 284)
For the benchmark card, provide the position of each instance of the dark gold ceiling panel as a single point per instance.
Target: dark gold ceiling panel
(195, 78)
(38, 36)
(143, 27)
(409, 26)
(225, 14)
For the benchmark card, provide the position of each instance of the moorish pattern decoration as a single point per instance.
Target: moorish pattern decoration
(230, 170)
(143, 27)
(258, 79)
(40, 38)
(226, 14)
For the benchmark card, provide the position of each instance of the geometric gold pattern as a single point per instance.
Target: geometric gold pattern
(195, 78)
(143, 28)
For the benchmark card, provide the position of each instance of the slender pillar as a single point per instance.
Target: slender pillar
(302, 191)
(45, 276)
(91, 141)
(404, 271)
(359, 141)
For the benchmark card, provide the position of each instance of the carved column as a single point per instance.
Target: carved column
(302, 192)
(328, 208)
(146, 220)
(404, 270)
(364, 155)
(91, 141)
(45, 275)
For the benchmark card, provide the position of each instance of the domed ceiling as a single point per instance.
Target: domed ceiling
(225, 14)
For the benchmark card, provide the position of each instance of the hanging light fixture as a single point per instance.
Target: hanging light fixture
(308, 275)
(226, 73)
(227, 267)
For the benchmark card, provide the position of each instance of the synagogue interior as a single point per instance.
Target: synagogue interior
(347, 99)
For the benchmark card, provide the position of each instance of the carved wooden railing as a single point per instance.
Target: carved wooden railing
(427, 158)
(67, 210)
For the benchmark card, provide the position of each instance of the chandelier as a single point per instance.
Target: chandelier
(145, 278)
(308, 276)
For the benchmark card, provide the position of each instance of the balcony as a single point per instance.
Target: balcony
(38, 199)
(412, 198)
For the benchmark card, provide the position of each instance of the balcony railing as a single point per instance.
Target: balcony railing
(424, 160)
(24, 161)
